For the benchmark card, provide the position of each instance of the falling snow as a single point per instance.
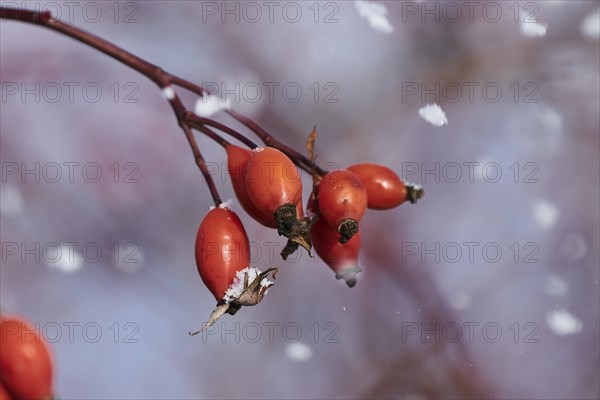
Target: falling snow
(590, 26)
(555, 286)
(563, 323)
(480, 169)
(545, 214)
(376, 14)
(299, 351)
(64, 258)
(433, 114)
(460, 300)
(11, 201)
(533, 29)
(530, 27)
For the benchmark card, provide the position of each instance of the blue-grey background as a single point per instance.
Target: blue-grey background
(119, 323)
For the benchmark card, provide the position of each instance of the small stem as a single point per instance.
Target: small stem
(196, 121)
(202, 165)
(161, 78)
(32, 17)
(211, 134)
(298, 158)
(192, 87)
(151, 71)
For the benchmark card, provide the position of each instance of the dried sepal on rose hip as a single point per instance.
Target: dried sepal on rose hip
(275, 187)
(237, 162)
(223, 261)
(26, 362)
(385, 189)
(342, 258)
(342, 200)
(304, 224)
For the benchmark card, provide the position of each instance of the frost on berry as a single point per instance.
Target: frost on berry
(226, 205)
(242, 280)
(348, 274)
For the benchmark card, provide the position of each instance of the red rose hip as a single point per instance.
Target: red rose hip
(222, 259)
(25, 360)
(385, 189)
(275, 187)
(342, 258)
(342, 199)
(222, 249)
(237, 163)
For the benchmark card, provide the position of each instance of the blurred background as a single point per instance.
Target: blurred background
(487, 288)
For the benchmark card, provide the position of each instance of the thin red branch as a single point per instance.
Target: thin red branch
(195, 120)
(151, 71)
(185, 118)
(268, 139)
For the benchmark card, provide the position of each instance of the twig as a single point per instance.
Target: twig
(151, 71)
(165, 81)
(301, 160)
(195, 121)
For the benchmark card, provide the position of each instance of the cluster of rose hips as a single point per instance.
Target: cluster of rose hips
(268, 186)
(25, 361)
